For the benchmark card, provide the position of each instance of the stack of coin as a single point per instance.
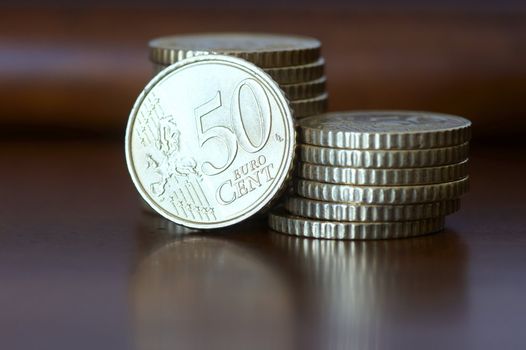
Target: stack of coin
(372, 175)
(295, 63)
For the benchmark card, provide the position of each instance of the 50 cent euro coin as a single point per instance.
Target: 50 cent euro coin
(210, 141)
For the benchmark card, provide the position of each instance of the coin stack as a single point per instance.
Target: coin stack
(295, 63)
(373, 175)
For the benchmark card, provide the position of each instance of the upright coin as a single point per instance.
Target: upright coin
(210, 141)
(385, 130)
(264, 50)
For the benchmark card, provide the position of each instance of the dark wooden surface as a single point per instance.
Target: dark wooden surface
(81, 267)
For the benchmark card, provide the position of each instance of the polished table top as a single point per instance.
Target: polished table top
(82, 267)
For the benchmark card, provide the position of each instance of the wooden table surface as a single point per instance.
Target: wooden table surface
(81, 267)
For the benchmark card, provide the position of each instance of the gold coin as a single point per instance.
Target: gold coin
(297, 74)
(264, 50)
(383, 177)
(299, 91)
(385, 130)
(384, 158)
(305, 90)
(283, 222)
(283, 75)
(210, 141)
(370, 213)
(310, 106)
(381, 195)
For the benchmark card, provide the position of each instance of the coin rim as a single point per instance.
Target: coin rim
(272, 58)
(294, 91)
(407, 194)
(359, 212)
(287, 159)
(383, 176)
(371, 140)
(308, 107)
(283, 222)
(306, 90)
(377, 159)
(286, 75)
(303, 73)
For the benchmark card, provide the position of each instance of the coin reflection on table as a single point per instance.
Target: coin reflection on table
(193, 291)
(362, 294)
(248, 288)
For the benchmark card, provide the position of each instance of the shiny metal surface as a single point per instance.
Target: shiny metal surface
(286, 74)
(210, 141)
(264, 50)
(332, 211)
(310, 106)
(384, 158)
(298, 74)
(381, 195)
(306, 90)
(294, 91)
(385, 130)
(281, 221)
(383, 177)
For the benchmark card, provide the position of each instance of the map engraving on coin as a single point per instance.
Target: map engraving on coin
(210, 141)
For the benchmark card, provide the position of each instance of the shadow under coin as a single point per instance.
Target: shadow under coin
(381, 294)
(199, 290)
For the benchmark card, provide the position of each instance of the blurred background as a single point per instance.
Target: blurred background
(82, 268)
(73, 68)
